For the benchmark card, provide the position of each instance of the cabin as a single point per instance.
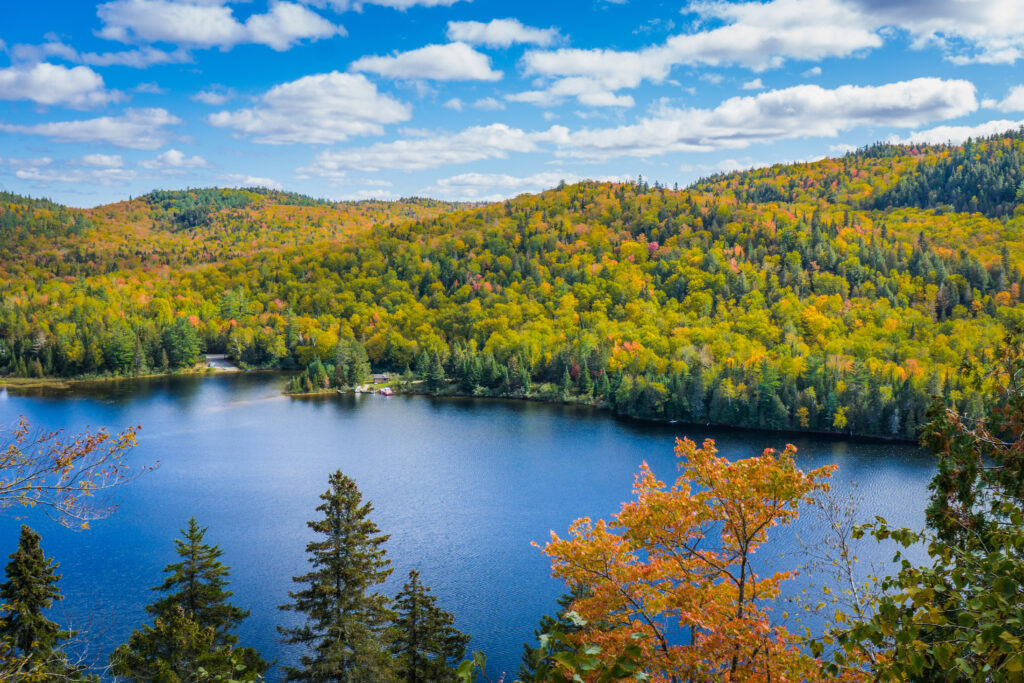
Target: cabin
(381, 378)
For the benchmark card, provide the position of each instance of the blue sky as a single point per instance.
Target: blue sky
(479, 99)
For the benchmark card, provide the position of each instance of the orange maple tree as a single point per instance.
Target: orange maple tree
(679, 559)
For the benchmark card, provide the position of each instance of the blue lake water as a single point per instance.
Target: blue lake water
(462, 486)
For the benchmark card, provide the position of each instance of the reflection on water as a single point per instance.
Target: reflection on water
(462, 485)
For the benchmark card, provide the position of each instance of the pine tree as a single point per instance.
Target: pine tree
(425, 642)
(31, 587)
(192, 625)
(197, 585)
(344, 624)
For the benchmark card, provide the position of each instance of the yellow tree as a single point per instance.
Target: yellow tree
(62, 474)
(680, 557)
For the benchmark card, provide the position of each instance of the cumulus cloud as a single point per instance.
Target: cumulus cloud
(215, 96)
(800, 111)
(322, 108)
(941, 135)
(448, 62)
(174, 161)
(584, 90)
(1014, 100)
(135, 129)
(498, 186)
(455, 104)
(500, 33)
(204, 24)
(52, 84)
(495, 141)
(488, 104)
(754, 35)
(755, 84)
(102, 160)
(969, 31)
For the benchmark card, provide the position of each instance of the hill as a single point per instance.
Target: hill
(837, 295)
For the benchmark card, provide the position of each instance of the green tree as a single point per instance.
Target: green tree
(343, 632)
(961, 617)
(424, 640)
(193, 623)
(175, 649)
(197, 584)
(31, 588)
(182, 343)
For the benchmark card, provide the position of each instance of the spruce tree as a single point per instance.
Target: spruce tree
(344, 621)
(197, 585)
(193, 623)
(425, 642)
(31, 588)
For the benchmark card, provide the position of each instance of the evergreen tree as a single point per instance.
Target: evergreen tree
(344, 621)
(31, 587)
(197, 585)
(425, 642)
(533, 657)
(192, 624)
(175, 649)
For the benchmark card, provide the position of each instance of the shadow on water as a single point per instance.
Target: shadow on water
(462, 485)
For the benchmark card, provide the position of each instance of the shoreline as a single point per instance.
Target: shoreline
(818, 433)
(28, 384)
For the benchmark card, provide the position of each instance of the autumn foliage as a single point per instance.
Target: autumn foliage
(681, 558)
(63, 475)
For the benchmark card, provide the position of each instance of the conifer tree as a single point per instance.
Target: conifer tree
(425, 642)
(197, 585)
(344, 624)
(193, 624)
(31, 588)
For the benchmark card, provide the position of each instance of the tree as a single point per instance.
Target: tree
(62, 474)
(534, 658)
(684, 555)
(193, 623)
(197, 585)
(31, 588)
(175, 649)
(344, 621)
(961, 617)
(424, 640)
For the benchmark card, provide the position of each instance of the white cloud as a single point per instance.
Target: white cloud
(813, 71)
(500, 33)
(140, 58)
(151, 88)
(102, 160)
(586, 92)
(135, 129)
(52, 84)
(448, 62)
(205, 24)
(357, 5)
(800, 111)
(1014, 100)
(488, 104)
(755, 84)
(317, 109)
(755, 35)
(174, 160)
(969, 31)
(216, 95)
(455, 104)
(42, 171)
(941, 135)
(495, 141)
(243, 180)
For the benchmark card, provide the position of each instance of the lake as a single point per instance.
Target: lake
(462, 486)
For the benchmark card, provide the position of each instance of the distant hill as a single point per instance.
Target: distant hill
(838, 295)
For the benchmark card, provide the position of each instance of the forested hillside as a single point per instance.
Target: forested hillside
(836, 295)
